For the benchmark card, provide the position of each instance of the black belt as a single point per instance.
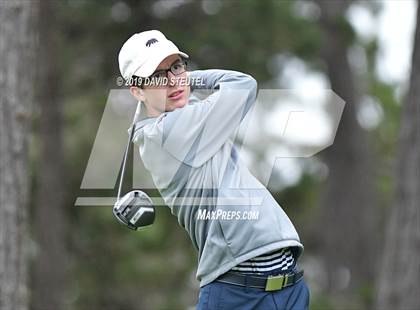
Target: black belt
(268, 283)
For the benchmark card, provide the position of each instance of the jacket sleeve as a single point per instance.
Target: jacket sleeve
(194, 133)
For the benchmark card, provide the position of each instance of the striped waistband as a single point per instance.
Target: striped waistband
(278, 261)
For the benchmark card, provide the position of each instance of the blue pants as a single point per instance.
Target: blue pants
(219, 296)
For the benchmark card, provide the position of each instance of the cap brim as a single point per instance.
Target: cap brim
(150, 66)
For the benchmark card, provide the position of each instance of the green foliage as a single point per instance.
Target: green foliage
(113, 267)
(321, 303)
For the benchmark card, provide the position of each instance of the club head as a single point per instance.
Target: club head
(135, 210)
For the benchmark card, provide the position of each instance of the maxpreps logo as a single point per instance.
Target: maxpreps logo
(295, 124)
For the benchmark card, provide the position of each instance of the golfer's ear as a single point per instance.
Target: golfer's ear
(137, 93)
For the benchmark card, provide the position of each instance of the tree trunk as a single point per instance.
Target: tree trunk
(17, 45)
(51, 264)
(398, 281)
(347, 212)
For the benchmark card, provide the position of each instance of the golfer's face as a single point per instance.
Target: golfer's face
(173, 94)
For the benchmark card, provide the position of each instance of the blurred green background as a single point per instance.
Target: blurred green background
(339, 200)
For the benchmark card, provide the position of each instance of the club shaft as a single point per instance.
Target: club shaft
(127, 149)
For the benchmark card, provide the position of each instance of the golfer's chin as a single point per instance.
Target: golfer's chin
(172, 105)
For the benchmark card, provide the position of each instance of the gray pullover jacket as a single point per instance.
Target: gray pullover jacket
(194, 164)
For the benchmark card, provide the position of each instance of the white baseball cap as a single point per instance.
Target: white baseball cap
(142, 53)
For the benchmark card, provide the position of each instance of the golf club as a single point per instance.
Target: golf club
(135, 209)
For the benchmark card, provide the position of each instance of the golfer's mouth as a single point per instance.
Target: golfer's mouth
(176, 95)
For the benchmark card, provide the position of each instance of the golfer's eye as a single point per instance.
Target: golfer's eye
(178, 68)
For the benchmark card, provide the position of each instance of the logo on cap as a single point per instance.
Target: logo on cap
(150, 42)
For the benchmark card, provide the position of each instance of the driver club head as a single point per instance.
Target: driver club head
(135, 210)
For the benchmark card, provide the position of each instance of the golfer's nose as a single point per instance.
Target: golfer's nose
(172, 78)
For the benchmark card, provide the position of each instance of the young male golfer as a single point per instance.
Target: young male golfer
(247, 246)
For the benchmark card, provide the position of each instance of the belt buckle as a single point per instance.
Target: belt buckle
(276, 283)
